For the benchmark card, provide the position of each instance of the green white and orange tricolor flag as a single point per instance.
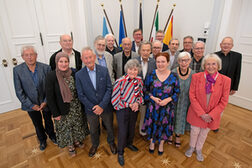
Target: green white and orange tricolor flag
(155, 28)
(169, 32)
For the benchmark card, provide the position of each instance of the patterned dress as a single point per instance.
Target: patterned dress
(159, 120)
(73, 126)
(183, 104)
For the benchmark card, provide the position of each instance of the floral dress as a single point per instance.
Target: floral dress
(73, 126)
(159, 120)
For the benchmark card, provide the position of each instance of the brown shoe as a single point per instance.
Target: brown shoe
(92, 151)
(113, 148)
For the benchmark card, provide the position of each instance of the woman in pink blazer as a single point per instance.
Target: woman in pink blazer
(209, 92)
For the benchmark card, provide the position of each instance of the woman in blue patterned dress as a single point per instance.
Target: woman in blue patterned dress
(161, 95)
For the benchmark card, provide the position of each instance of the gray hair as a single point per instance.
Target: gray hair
(87, 49)
(197, 42)
(172, 40)
(144, 42)
(190, 37)
(211, 55)
(99, 37)
(132, 63)
(109, 35)
(28, 48)
(157, 41)
(183, 54)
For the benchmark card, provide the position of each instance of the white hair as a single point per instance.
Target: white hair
(211, 55)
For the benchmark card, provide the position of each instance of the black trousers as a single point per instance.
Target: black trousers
(94, 123)
(37, 121)
(126, 120)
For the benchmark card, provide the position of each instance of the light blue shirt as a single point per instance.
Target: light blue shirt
(102, 61)
(92, 75)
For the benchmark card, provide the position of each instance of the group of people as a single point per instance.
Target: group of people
(174, 91)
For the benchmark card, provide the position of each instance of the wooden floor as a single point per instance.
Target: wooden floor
(230, 147)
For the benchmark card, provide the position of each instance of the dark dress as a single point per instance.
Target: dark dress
(71, 127)
(159, 120)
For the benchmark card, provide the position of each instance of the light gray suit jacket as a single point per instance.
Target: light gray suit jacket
(175, 62)
(118, 63)
(109, 62)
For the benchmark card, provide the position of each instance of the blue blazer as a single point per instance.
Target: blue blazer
(25, 88)
(87, 94)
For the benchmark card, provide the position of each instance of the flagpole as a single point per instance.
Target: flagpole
(169, 17)
(124, 25)
(154, 19)
(105, 13)
(140, 16)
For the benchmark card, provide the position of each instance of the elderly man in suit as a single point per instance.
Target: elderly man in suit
(103, 57)
(29, 82)
(66, 44)
(94, 91)
(173, 53)
(156, 48)
(187, 44)
(138, 37)
(160, 37)
(148, 64)
(121, 58)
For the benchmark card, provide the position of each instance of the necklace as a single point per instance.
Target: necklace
(181, 72)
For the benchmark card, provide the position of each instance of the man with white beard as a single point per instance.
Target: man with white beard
(103, 57)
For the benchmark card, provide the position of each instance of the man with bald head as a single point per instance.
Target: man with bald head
(231, 63)
(66, 44)
(121, 58)
(156, 48)
(198, 54)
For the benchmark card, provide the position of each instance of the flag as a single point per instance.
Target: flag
(155, 28)
(121, 30)
(169, 32)
(104, 29)
(140, 18)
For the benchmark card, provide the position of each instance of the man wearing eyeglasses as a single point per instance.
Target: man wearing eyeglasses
(198, 54)
(188, 44)
(66, 43)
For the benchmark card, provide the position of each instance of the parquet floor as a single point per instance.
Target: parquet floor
(230, 147)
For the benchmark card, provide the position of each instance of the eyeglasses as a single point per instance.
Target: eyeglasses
(188, 42)
(199, 48)
(184, 60)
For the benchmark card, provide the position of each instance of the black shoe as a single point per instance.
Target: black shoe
(151, 151)
(54, 141)
(132, 147)
(92, 151)
(160, 153)
(121, 160)
(113, 148)
(42, 146)
(215, 131)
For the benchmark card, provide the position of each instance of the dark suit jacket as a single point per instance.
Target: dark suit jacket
(25, 88)
(88, 95)
(78, 61)
(151, 66)
(133, 46)
(53, 95)
(165, 47)
(234, 68)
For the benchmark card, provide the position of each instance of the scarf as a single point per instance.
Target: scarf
(64, 88)
(210, 81)
(136, 86)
